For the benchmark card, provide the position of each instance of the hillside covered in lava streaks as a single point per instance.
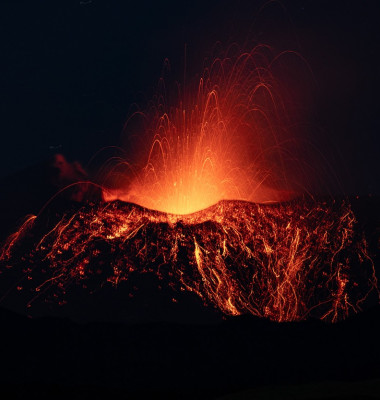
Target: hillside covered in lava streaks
(285, 262)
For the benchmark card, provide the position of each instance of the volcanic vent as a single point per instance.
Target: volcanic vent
(282, 261)
(215, 206)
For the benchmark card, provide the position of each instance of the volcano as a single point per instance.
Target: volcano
(285, 261)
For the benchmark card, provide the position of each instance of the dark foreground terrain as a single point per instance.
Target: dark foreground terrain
(57, 357)
(108, 345)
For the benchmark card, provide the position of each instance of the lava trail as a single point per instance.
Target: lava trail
(282, 261)
(214, 205)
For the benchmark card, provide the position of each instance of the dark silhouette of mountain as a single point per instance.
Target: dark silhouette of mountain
(184, 361)
(69, 74)
(107, 344)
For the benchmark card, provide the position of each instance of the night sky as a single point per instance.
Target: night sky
(71, 70)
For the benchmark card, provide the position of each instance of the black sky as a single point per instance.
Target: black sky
(71, 70)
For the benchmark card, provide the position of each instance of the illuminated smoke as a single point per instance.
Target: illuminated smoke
(64, 174)
(216, 214)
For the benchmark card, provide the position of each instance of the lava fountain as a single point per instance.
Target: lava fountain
(224, 141)
(212, 211)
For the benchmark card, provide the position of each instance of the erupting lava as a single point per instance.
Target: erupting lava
(282, 261)
(224, 142)
(202, 221)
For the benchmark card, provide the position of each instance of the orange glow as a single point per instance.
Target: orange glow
(222, 142)
(283, 261)
(212, 210)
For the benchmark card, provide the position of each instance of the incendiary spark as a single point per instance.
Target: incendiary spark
(227, 141)
(284, 262)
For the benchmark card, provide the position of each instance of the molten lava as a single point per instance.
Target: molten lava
(282, 261)
(202, 221)
(224, 141)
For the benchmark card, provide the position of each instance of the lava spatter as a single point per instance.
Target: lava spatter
(283, 261)
(213, 205)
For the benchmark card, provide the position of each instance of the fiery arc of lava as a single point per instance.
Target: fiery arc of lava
(224, 141)
(284, 261)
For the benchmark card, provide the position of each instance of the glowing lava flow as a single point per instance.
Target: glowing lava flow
(284, 262)
(224, 141)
